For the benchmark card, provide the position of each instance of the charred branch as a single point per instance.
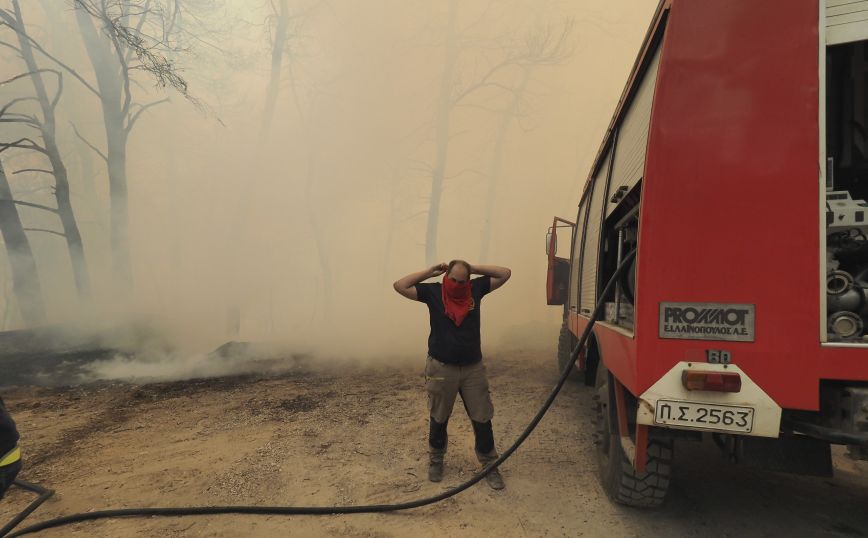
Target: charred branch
(542, 46)
(31, 204)
(45, 230)
(125, 39)
(13, 102)
(29, 74)
(143, 16)
(485, 81)
(88, 144)
(463, 172)
(10, 21)
(15, 117)
(40, 170)
(22, 143)
(141, 108)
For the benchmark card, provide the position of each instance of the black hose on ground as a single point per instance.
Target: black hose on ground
(365, 509)
(42, 496)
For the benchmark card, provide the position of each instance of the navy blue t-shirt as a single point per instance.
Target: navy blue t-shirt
(447, 342)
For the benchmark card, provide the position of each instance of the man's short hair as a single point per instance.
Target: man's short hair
(453, 263)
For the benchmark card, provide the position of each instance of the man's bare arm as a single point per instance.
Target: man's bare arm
(499, 275)
(407, 286)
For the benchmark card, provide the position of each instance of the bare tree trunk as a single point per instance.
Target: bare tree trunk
(496, 166)
(277, 48)
(444, 112)
(25, 277)
(119, 208)
(234, 312)
(324, 265)
(112, 80)
(390, 234)
(7, 304)
(318, 238)
(85, 186)
(49, 136)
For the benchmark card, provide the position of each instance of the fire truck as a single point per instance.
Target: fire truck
(734, 175)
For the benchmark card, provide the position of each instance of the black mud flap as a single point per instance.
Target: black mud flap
(788, 454)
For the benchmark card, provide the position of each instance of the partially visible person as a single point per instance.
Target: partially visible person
(454, 364)
(10, 454)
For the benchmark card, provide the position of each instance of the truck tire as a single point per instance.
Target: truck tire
(620, 481)
(566, 343)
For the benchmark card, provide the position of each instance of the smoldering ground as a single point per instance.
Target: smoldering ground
(316, 151)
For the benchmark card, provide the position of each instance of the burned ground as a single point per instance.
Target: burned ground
(344, 434)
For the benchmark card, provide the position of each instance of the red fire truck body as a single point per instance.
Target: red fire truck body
(717, 170)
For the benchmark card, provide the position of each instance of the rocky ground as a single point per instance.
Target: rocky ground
(343, 434)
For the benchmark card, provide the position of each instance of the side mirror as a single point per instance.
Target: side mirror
(549, 244)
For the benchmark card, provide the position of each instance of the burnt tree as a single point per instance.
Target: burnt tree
(538, 47)
(116, 43)
(543, 46)
(25, 277)
(47, 128)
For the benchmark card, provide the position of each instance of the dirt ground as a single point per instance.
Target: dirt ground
(355, 435)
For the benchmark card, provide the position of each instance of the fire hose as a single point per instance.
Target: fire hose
(332, 510)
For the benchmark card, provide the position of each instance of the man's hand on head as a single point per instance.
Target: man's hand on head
(437, 270)
(407, 286)
(499, 275)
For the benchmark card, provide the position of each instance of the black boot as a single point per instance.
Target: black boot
(437, 440)
(435, 464)
(485, 452)
(494, 478)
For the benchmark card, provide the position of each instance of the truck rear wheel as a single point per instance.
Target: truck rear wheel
(566, 343)
(620, 481)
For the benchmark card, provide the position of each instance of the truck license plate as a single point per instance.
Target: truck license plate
(704, 415)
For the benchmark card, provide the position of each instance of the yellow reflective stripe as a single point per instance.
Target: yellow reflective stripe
(11, 457)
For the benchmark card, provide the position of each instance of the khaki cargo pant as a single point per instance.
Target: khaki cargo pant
(445, 381)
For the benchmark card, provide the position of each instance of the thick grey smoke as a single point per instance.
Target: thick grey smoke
(280, 200)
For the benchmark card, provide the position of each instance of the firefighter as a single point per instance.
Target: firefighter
(10, 455)
(454, 364)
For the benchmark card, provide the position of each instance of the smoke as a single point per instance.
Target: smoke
(293, 237)
(233, 358)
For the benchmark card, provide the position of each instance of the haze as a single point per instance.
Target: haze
(279, 199)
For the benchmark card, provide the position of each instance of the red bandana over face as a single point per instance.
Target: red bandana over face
(457, 300)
